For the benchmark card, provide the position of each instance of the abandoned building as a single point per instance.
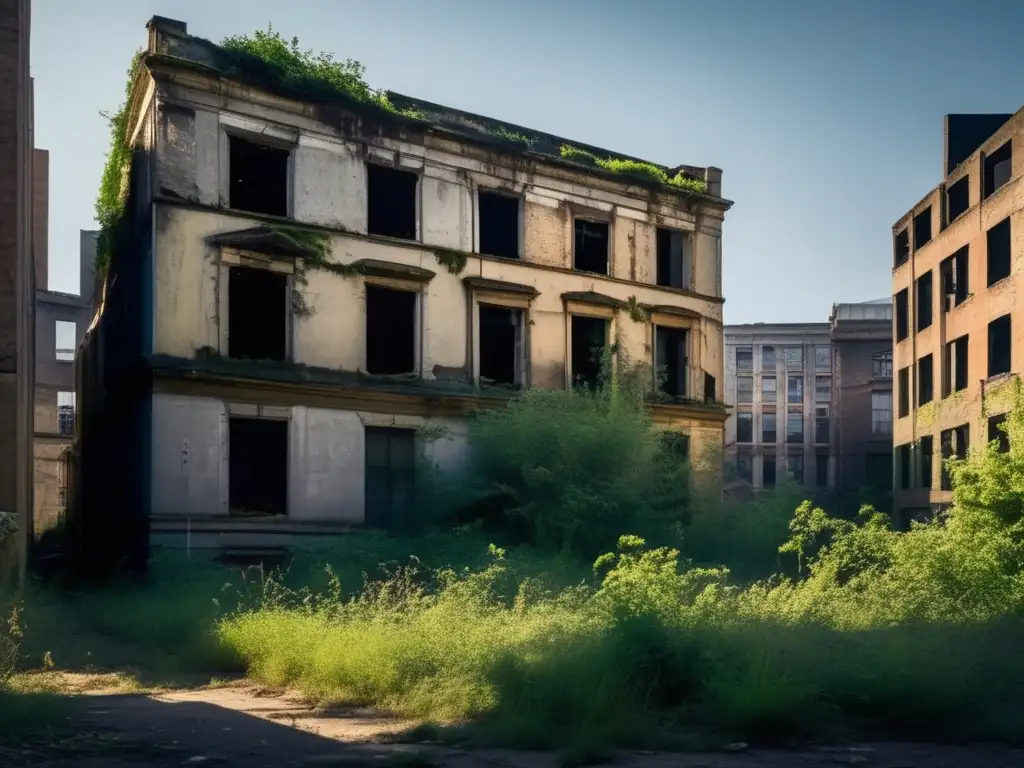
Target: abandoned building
(311, 280)
(779, 376)
(61, 320)
(956, 273)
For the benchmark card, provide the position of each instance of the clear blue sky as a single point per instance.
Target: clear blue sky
(825, 115)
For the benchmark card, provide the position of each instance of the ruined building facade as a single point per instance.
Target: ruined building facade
(956, 336)
(311, 282)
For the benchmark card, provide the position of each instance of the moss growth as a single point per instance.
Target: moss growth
(635, 168)
(515, 136)
(294, 67)
(453, 261)
(636, 312)
(114, 183)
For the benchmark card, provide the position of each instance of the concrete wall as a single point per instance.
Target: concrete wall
(972, 317)
(41, 216)
(326, 466)
(854, 435)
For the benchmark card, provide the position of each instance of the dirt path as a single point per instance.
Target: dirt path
(237, 725)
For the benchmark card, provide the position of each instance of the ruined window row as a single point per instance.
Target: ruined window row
(794, 464)
(260, 179)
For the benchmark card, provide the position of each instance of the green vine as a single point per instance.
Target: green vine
(636, 312)
(316, 249)
(114, 183)
(453, 261)
(635, 168)
(294, 67)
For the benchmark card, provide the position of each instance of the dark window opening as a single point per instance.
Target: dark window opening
(821, 469)
(709, 388)
(923, 228)
(924, 301)
(878, 470)
(391, 201)
(670, 344)
(768, 472)
(745, 465)
(998, 166)
(795, 427)
(902, 319)
(259, 177)
(673, 258)
(258, 302)
(499, 224)
(501, 345)
(925, 380)
(901, 248)
(822, 425)
(744, 427)
(926, 447)
(903, 388)
(589, 337)
(591, 246)
(999, 262)
(769, 427)
(953, 271)
(954, 445)
(997, 432)
(954, 377)
(390, 330)
(958, 199)
(258, 466)
(390, 475)
(999, 346)
(903, 465)
(795, 465)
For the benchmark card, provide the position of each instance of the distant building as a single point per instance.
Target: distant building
(861, 336)
(61, 322)
(958, 343)
(779, 379)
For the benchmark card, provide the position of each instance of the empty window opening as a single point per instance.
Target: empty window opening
(768, 471)
(670, 344)
(881, 413)
(997, 168)
(901, 248)
(926, 448)
(923, 301)
(499, 224)
(744, 389)
(958, 199)
(744, 427)
(821, 469)
(591, 246)
(795, 389)
(999, 251)
(745, 465)
(997, 432)
(795, 427)
(674, 266)
(769, 428)
(390, 331)
(954, 377)
(795, 465)
(66, 413)
(881, 365)
(64, 340)
(925, 380)
(259, 177)
(589, 337)
(258, 302)
(878, 470)
(922, 227)
(710, 387)
(390, 475)
(902, 319)
(768, 359)
(391, 202)
(501, 345)
(953, 271)
(954, 445)
(258, 466)
(903, 465)
(903, 389)
(745, 359)
(769, 390)
(822, 425)
(999, 346)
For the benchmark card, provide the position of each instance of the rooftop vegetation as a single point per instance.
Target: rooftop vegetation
(636, 168)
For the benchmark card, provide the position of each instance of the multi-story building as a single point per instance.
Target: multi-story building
(17, 281)
(956, 273)
(312, 280)
(61, 321)
(861, 336)
(779, 376)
